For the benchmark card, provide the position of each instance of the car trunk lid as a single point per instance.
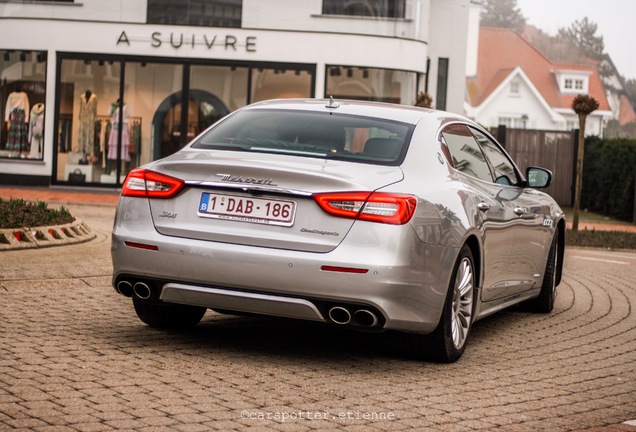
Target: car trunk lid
(262, 199)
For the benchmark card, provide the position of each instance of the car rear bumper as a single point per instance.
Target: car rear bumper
(404, 284)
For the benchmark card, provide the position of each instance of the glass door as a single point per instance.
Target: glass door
(149, 88)
(88, 87)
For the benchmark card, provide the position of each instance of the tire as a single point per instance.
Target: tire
(544, 303)
(170, 316)
(448, 341)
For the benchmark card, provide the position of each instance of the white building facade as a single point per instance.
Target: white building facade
(91, 89)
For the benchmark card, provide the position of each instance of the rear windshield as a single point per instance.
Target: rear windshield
(301, 133)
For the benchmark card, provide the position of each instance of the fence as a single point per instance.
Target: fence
(553, 150)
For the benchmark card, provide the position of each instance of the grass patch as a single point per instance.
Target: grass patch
(601, 239)
(17, 213)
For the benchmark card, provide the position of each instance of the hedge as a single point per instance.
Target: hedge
(609, 170)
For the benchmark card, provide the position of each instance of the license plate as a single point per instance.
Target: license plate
(247, 209)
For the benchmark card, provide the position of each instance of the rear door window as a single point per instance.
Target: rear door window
(505, 172)
(466, 155)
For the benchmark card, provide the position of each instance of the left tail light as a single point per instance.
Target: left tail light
(380, 207)
(149, 184)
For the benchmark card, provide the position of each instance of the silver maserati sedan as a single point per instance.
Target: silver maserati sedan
(363, 215)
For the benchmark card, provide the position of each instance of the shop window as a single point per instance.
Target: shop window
(371, 8)
(206, 13)
(153, 94)
(283, 82)
(88, 100)
(22, 97)
(384, 85)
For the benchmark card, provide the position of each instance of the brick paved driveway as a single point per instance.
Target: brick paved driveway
(73, 356)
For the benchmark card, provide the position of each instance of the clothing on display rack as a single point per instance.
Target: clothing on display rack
(136, 137)
(36, 130)
(114, 134)
(87, 114)
(64, 133)
(17, 114)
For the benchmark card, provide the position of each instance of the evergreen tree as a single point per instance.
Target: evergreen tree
(582, 34)
(502, 14)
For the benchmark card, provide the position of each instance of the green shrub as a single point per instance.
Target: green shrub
(601, 239)
(17, 213)
(608, 177)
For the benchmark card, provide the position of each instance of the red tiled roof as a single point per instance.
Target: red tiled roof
(627, 113)
(502, 50)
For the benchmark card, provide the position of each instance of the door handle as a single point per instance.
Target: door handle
(483, 206)
(519, 211)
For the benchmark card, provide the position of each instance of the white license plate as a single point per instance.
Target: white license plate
(247, 209)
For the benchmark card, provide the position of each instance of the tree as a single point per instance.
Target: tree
(556, 50)
(582, 105)
(582, 34)
(424, 100)
(503, 14)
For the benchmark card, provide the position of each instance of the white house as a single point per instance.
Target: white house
(517, 86)
(97, 88)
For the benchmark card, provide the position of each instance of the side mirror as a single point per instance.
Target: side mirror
(538, 177)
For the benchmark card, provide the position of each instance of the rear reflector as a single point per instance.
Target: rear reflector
(149, 184)
(344, 269)
(141, 246)
(380, 207)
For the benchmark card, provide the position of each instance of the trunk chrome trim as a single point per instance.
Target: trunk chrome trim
(247, 188)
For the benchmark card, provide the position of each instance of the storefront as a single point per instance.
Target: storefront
(105, 98)
(114, 113)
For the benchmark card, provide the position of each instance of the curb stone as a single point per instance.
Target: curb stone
(45, 236)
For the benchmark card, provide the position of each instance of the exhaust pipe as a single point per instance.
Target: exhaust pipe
(142, 290)
(125, 288)
(365, 318)
(339, 315)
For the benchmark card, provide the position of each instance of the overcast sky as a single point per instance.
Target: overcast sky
(616, 20)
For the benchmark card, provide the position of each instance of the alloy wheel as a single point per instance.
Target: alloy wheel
(462, 310)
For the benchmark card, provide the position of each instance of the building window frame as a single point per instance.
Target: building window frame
(224, 13)
(370, 84)
(394, 9)
(574, 84)
(515, 88)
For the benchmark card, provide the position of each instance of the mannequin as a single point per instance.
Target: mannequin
(87, 116)
(36, 130)
(17, 116)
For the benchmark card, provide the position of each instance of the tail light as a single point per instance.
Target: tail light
(149, 184)
(381, 207)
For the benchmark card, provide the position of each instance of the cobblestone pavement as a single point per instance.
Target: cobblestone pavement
(73, 356)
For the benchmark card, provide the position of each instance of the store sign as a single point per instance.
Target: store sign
(183, 40)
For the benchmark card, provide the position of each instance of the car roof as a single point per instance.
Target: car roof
(402, 113)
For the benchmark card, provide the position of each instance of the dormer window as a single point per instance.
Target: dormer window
(573, 82)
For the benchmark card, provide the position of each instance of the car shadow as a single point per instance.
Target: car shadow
(288, 340)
